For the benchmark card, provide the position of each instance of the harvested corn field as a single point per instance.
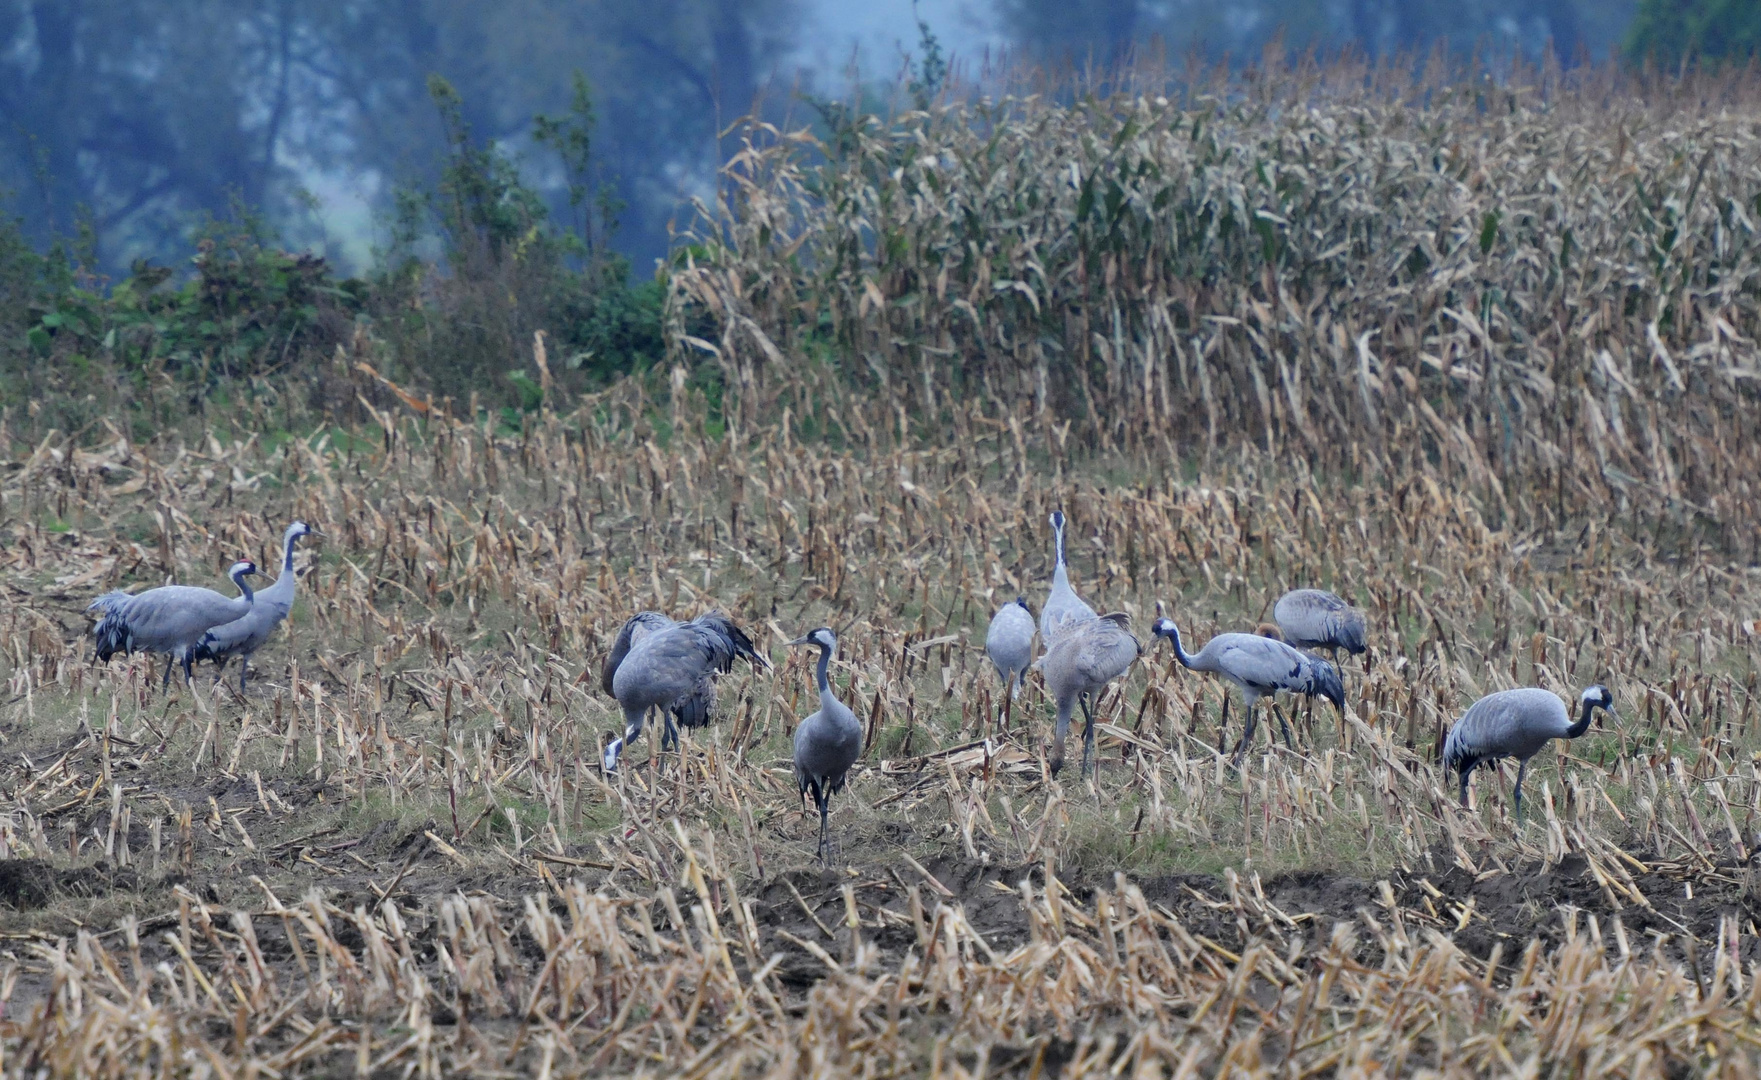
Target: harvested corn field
(397, 853)
(1528, 461)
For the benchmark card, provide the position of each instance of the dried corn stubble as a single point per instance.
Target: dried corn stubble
(432, 721)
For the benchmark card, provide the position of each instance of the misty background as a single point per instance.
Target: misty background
(130, 122)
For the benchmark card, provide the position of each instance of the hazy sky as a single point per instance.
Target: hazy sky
(878, 32)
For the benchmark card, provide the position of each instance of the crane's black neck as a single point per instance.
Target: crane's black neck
(287, 553)
(825, 663)
(1173, 636)
(1587, 707)
(238, 578)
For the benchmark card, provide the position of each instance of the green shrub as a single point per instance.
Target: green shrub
(1671, 31)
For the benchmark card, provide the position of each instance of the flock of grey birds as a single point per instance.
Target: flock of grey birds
(1086, 651)
(658, 663)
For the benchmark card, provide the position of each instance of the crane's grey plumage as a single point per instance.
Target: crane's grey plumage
(828, 742)
(1260, 667)
(1516, 723)
(1315, 619)
(1063, 607)
(1087, 657)
(170, 619)
(669, 663)
(243, 637)
(1009, 643)
(692, 709)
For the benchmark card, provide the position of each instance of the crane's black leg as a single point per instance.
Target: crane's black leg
(1223, 721)
(1467, 770)
(189, 674)
(1285, 724)
(825, 837)
(1088, 738)
(1521, 768)
(170, 658)
(1246, 733)
(244, 666)
(670, 734)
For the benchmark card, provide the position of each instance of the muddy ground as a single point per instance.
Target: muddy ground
(41, 900)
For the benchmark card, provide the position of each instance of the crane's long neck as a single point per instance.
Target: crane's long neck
(1583, 724)
(287, 552)
(824, 677)
(1180, 652)
(1058, 550)
(248, 597)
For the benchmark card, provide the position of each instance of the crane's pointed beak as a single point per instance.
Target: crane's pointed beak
(798, 641)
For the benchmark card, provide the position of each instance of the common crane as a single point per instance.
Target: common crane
(1063, 607)
(1516, 723)
(828, 742)
(1316, 619)
(670, 663)
(170, 619)
(1260, 667)
(692, 709)
(1083, 661)
(243, 637)
(1009, 643)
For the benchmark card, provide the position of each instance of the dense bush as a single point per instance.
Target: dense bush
(459, 325)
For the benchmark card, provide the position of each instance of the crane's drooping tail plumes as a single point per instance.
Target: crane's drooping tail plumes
(111, 635)
(1324, 681)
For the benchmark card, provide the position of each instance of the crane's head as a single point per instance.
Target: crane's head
(1164, 627)
(1598, 697)
(1057, 521)
(823, 636)
(300, 529)
(242, 568)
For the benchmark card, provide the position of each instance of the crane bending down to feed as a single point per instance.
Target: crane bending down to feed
(1260, 667)
(1084, 660)
(668, 665)
(1516, 723)
(243, 637)
(1009, 643)
(1063, 608)
(1315, 619)
(828, 742)
(692, 709)
(170, 619)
